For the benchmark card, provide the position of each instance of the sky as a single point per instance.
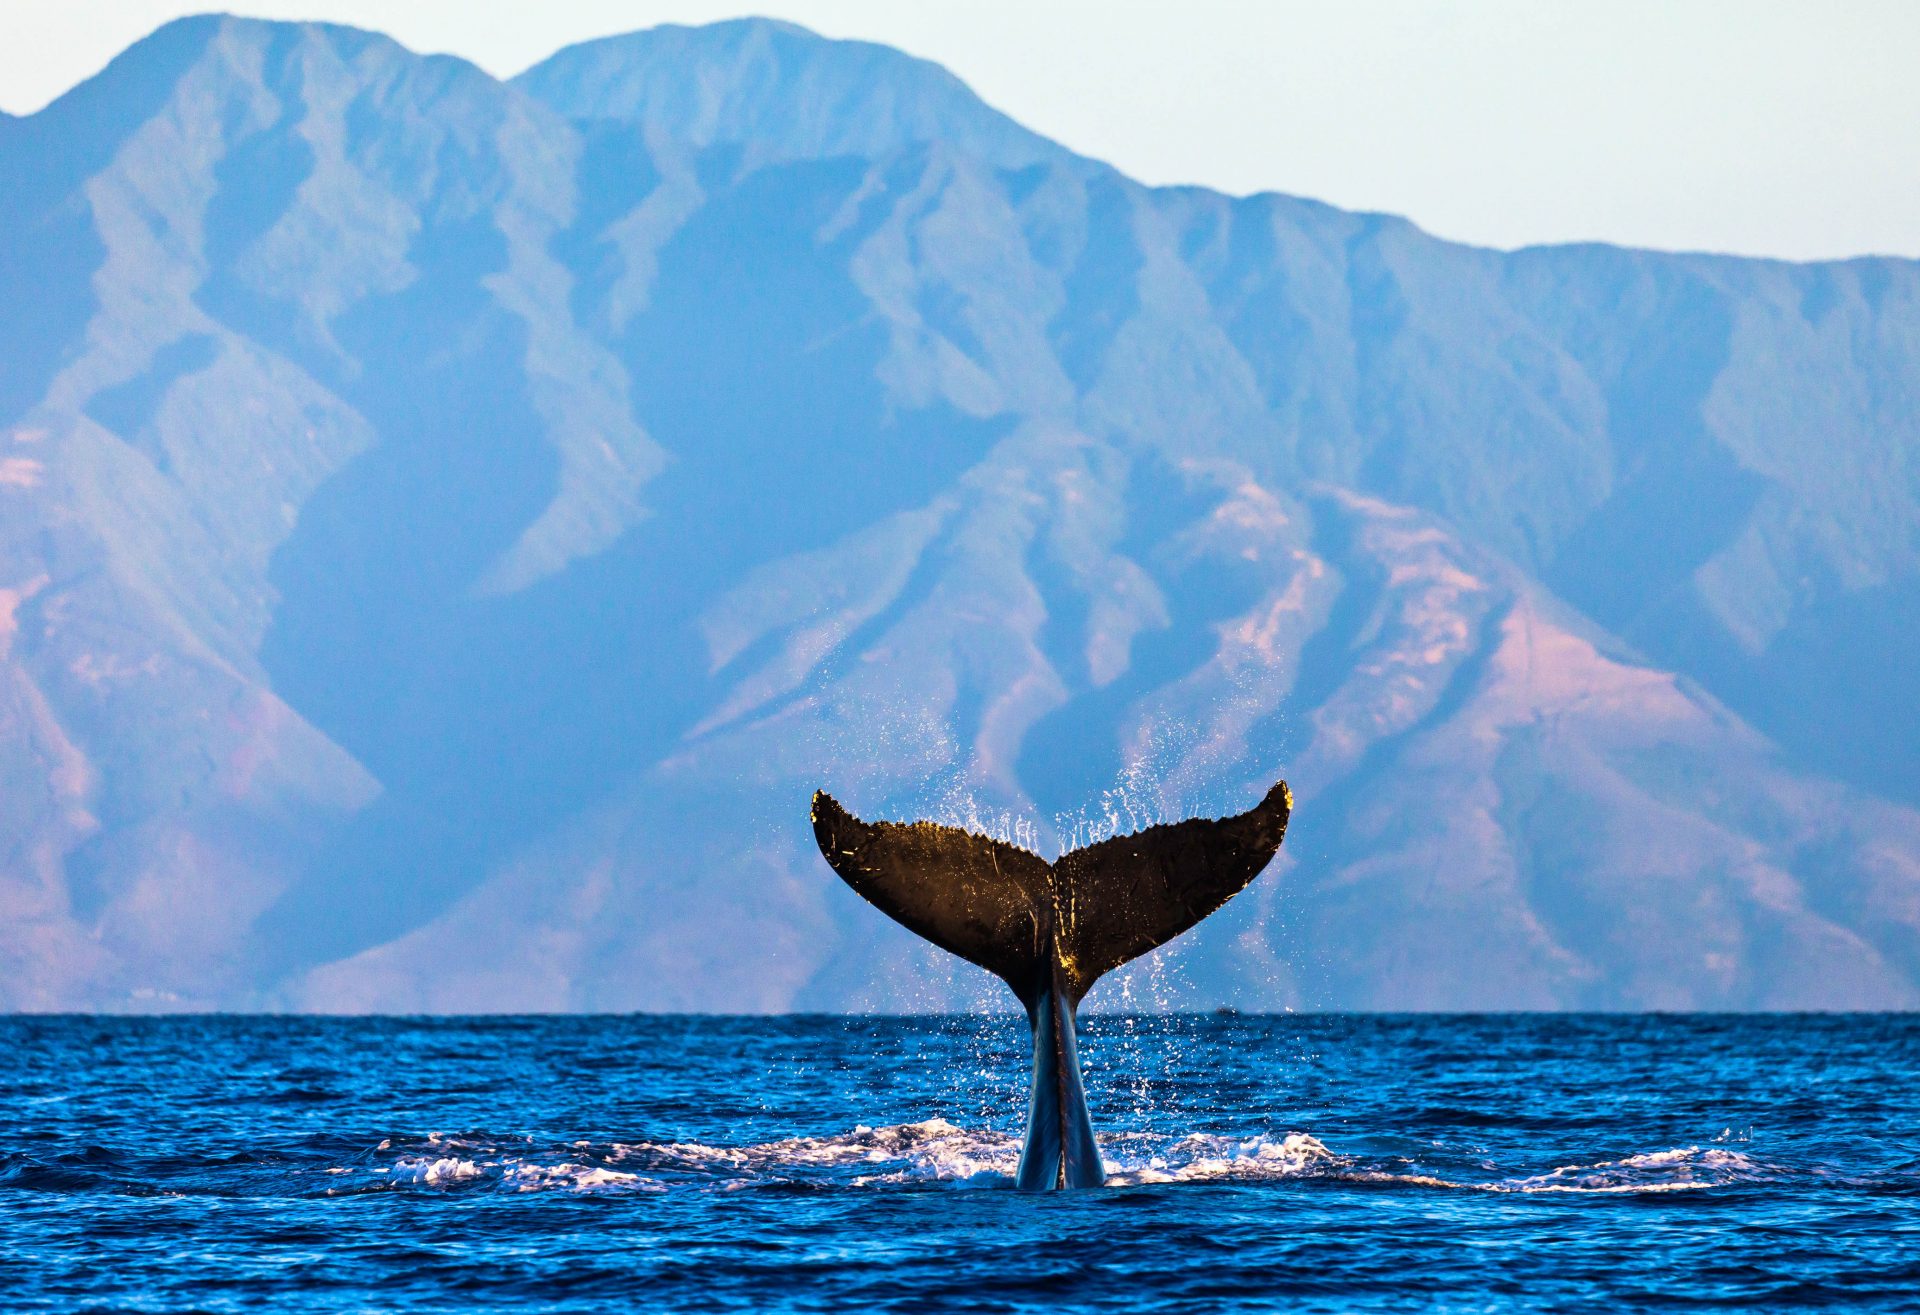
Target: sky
(1760, 127)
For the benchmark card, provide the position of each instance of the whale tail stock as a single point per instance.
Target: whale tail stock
(1051, 930)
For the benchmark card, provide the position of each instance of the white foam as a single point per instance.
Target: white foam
(1203, 1159)
(1686, 1168)
(937, 1151)
(932, 1150)
(578, 1177)
(443, 1172)
(1682, 1169)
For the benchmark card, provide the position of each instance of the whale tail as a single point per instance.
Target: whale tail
(1051, 930)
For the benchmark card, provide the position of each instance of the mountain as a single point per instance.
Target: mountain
(448, 528)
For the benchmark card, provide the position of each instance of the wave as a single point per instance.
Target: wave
(1682, 1169)
(936, 1152)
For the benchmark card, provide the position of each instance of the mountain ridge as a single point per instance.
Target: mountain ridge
(436, 521)
(867, 98)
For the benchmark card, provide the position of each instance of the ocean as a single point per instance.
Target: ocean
(1289, 1162)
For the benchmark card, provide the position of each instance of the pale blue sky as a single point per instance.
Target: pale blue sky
(1766, 127)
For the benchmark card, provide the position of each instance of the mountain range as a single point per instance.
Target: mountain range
(449, 526)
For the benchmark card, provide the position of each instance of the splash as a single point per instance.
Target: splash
(1199, 1158)
(1137, 799)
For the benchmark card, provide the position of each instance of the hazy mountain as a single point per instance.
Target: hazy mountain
(448, 528)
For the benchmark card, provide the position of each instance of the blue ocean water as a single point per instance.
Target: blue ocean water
(1302, 1163)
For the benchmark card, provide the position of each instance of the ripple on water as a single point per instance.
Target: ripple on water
(1319, 1163)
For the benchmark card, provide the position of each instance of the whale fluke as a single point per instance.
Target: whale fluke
(1051, 930)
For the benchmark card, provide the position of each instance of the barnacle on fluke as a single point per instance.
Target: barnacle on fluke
(1051, 930)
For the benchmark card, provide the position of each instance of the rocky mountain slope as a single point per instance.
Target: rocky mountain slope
(448, 527)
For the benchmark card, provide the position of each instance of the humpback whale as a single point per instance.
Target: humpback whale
(1051, 930)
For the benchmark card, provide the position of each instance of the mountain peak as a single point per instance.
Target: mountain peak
(789, 92)
(141, 78)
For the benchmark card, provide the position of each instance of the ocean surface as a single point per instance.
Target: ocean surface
(1301, 1163)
